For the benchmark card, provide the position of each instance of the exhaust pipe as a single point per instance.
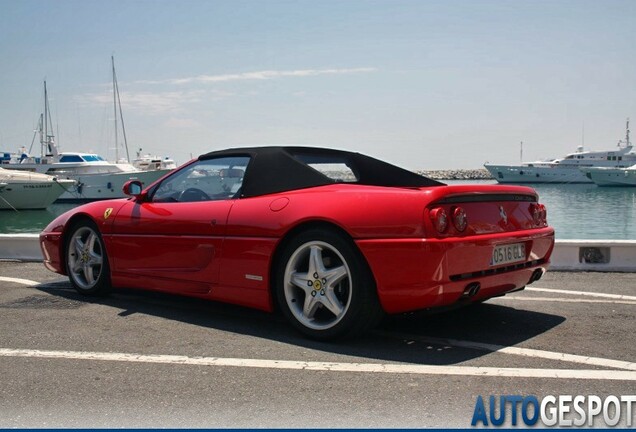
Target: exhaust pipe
(536, 275)
(471, 290)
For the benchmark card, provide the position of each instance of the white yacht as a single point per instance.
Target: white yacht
(21, 190)
(612, 176)
(147, 162)
(608, 176)
(568, 169)
(95, 178)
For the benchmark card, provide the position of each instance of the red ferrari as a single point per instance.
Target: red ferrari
(333, 239)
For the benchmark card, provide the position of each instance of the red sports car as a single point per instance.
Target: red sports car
(333, 239)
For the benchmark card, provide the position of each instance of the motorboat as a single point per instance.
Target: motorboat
(607, 176)
(612, 176)
(147, 162)
(569, 169)
(22, 190)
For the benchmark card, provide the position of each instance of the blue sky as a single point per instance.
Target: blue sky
(424, 84)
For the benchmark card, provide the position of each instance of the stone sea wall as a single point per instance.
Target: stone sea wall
(458, 174)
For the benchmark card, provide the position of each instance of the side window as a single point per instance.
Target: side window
(205, 180)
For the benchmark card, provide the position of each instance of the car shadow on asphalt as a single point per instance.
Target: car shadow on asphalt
(412, 338)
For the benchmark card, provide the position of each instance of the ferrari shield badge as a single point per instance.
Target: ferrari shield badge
(107, 212)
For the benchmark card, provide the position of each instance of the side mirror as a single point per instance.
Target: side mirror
(133, 188)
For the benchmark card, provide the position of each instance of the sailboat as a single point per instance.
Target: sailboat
(96, 178)
(143, 162)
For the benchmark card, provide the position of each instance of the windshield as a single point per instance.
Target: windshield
(207, 180)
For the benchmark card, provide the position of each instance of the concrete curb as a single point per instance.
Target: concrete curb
(594, 255)
(20, 247)
(568, 255)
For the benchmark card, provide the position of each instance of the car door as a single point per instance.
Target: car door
(172, 239)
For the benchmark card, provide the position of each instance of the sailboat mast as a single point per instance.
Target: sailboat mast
(117, 103)
(112, 58)
(43, 137)
(47, 139)
(37, 131)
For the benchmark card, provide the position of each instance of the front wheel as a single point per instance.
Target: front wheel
(324, 286)
(86, 260)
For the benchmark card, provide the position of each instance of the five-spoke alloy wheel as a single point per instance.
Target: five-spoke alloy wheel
(324, 286)
(86, 260)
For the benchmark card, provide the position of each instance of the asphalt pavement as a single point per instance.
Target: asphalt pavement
(140, 359)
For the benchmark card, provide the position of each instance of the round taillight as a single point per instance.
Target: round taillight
(439, 219)
(460, 220)
(535, 211)
(544, 214)
(539, 214)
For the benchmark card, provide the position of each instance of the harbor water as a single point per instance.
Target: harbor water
(576, 211)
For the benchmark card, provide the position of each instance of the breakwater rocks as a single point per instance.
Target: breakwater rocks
(458, 174)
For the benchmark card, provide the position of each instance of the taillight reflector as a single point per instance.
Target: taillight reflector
(439, 219)
(539, 214)
(460, 220)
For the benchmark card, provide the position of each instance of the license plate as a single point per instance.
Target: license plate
(506, 254)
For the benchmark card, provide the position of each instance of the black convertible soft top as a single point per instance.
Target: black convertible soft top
(280, 169)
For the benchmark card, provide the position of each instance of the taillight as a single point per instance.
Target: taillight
(544, 215)
(539, 214)
(535, 211)
(439, 219)
(460, 220)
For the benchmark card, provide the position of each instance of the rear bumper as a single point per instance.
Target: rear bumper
(413, 274)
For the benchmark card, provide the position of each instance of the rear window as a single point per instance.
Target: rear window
(335, 167)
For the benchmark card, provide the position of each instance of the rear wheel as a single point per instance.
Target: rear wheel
(325, 288)
(86, 260)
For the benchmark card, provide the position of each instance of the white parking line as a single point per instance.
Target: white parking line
(389, 368)
(583, 293)
(19, 281)
(565, 300)
(525, 352)
(383, 368)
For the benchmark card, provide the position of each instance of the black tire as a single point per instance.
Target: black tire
(324, 287)
(86, 260)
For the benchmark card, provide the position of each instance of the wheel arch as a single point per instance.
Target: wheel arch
(297, 230)
(73, 221)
